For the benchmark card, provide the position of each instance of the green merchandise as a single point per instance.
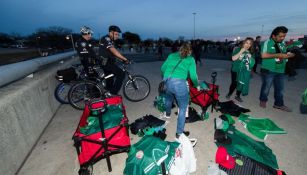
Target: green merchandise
(146, 156)
(260, 127)
(111, 118)
(304, 97)
(295, 44)
(159, 102)
(246, 146)
(231, 121)
(243, 74)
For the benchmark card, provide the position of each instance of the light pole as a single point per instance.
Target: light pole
(194, 25)
(262, 30)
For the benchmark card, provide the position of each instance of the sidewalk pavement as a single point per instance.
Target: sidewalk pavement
(54, 153)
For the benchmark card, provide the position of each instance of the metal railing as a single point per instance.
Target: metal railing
(16, 71)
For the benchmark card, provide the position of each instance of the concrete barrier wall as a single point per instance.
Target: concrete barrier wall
(26, 107)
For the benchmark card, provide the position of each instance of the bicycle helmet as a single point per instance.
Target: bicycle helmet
(115, 29)
(86, 30)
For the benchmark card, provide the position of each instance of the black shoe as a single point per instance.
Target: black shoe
(187, 133)
(238, 98)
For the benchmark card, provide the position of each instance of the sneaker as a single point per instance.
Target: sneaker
(262, 104)
(163, 115)
(283, 108)
(239, 99)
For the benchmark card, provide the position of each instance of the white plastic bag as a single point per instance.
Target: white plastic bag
(185, 161)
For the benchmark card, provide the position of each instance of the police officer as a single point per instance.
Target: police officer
(108, 55)
(85, 49)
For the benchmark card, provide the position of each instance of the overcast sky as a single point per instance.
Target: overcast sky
(214, 19)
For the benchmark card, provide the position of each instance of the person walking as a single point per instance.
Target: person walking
(242, 63)
(257, 53)
(175, 71)
(274, 58)
(197, 49)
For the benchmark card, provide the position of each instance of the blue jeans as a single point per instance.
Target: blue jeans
(278, 81)
(177, 88)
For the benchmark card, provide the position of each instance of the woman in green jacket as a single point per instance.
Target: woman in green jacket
(242, 63)
(175, 71)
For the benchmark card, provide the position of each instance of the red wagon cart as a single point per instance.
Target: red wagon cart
(108, 136)
(205, 97)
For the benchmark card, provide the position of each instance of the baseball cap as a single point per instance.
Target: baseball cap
(224, 159)
(220, 136)
(221, 124)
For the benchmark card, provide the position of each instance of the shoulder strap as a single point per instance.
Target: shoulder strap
(175, 67)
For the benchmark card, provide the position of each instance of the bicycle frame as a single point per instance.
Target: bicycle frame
(129, 75)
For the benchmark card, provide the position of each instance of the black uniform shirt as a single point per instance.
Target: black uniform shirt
(104, 48)
(85, 49)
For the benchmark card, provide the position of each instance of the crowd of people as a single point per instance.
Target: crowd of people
(181, 64)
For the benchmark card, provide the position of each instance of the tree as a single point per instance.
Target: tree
(53, 37)
(5, 40)
(131, 38)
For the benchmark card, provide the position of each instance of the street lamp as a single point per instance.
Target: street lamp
(194, 25)
(72, 40)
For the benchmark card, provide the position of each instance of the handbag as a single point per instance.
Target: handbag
(162, 87)
(162, 84)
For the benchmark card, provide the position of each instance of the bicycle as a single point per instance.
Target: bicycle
(62, 89)
(136, 88)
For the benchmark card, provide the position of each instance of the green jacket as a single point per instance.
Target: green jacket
(243, 67)
(186, 68)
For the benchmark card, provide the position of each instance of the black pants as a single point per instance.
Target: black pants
(233, 84)
(114, 83)
(257, 61)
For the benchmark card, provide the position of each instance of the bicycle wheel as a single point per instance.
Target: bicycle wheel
(83, 91)
(61, 92)
(137, 88)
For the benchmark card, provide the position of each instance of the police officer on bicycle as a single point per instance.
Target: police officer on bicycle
(108, 55)
(85, 49)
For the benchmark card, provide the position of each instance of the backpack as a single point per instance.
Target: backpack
(67, 75)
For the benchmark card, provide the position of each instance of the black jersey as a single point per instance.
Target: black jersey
(104, 49)
(85, 49)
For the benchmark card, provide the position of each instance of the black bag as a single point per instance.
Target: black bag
(162, 87)
(193, 116)
(66, 75)
(145, 121)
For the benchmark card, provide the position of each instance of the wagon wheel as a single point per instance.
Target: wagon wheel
(86, 170)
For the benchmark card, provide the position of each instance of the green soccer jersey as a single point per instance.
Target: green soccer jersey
(246, 59)
(145, 157)
(273, 64)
